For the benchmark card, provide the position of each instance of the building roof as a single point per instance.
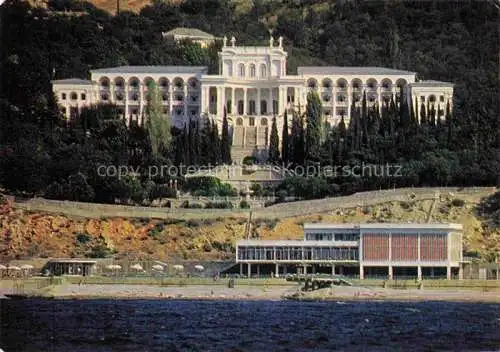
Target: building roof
(350, 70)
(189, 32)
(72, 81)
(297, 243)
(74, 261)
(384, 226)
(432, 83)
(151, 69)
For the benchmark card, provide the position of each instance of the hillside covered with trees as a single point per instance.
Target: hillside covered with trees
(455, 41)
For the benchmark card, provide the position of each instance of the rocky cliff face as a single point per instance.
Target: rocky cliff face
(25, 234)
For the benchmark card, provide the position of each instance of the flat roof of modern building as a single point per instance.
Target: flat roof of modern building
(297, 243)
(72, 261)
(152, 69)
(389, 226)
(350, 70)
(74, 81)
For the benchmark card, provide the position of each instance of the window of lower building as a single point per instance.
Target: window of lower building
(251, 121)
(83, 96)
(74, 96)
(422, 99)
(63, 96)
(441, 98)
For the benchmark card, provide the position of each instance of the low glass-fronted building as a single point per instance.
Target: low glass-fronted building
(364, 250)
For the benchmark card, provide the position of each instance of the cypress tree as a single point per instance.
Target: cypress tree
(449, 121)
(206, 145)
(392, 116)
(297, 140)
(225, 142)
(432, 120)
(285, 139)
(274, 154)
(216, 156)
(158, 126)
(364, 120)
(314, 126)
(423, 115)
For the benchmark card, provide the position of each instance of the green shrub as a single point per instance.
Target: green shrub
(219, 205)
(83, 238)
(244, 204)
(193, 223)
(249, 160)
(457, 202)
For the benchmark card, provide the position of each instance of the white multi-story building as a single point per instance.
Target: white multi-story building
(252, 85)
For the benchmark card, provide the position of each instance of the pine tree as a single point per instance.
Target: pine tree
(285, 140)
(225, 142)
(274, 154)
(314, 126)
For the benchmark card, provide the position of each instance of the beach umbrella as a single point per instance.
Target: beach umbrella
(113, 267)
(178, 267)
(199, 267)
(27, 267)
(137, 267)
(157, 267)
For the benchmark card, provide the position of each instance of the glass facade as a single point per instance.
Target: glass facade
(305, 253)
(330, 236)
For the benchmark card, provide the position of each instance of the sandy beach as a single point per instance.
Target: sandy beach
(248, 292)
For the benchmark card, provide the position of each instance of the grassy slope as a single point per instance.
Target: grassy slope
(25, 234)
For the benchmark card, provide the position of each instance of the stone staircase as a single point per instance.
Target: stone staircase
(239, 153)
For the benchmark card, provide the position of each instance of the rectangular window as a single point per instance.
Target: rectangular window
(422, 99)
(441, 98)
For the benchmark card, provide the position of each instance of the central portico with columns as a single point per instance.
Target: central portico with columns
(253, 87)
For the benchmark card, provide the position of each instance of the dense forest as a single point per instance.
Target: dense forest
(454, 41)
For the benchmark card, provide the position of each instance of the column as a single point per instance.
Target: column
(170, 99)
(349, 101)
(419, 273)
(258, 270)
(245, 100)
(249, 270)
(418, 247)
(270, 104)
(361, 272)
(258, 102)
(277, 270)
(461, 272)
(341, 270)
(241, 269)
(185, 101)
(333, 269)
(448, 272)
(223, 99)
(280, 101)
(390, 272)
(295, 97)
(233, 101)
(304, 269)
(112, 92)
(390, 248)
(219, 101)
